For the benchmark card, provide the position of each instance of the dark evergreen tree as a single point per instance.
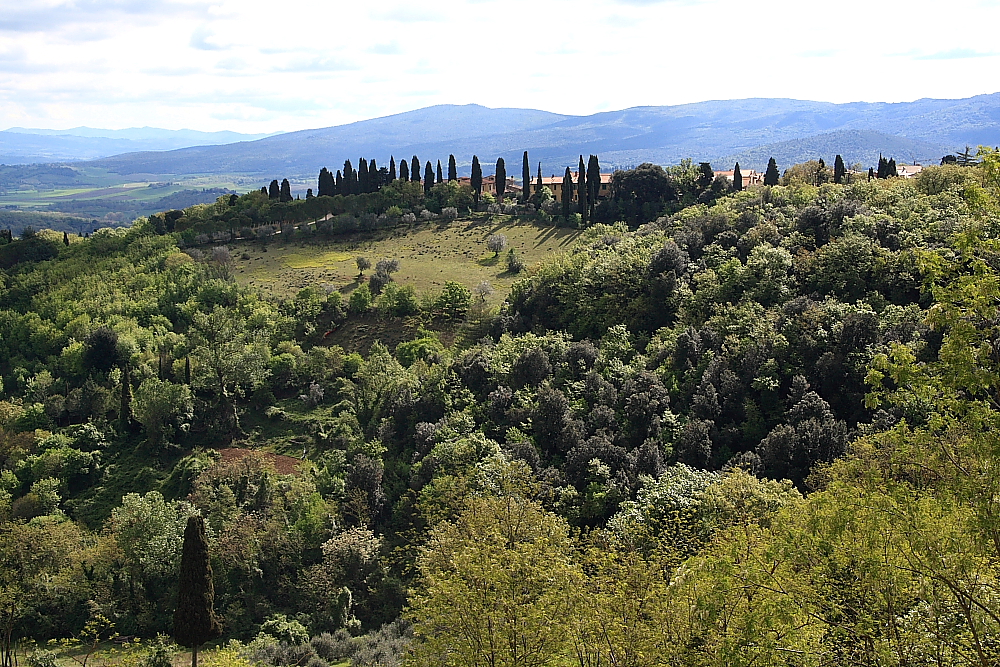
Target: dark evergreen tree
(263, 191)
(273, 190)
(705, 175)
(326, 184)
(404, 171)
(890, 168)
(593, 183)
(500, 179)
(363, 184)
(525, 178)
(477, 178)
(374, 179)
(883, 168)
(428, 177)
(392, 168)
(581, 190)
(871, 174)
(415, 169)
(195, 621)
(737, 178)
(383, 177)
(350, 179)
(567, 192)
(339, 184)
(452, 169)
(286, 191)
(440, 174)
(309, 193)
(839, 170)
(65, 239)
(771, 175)
(538, 183)
(965, 158)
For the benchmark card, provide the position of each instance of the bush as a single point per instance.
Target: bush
(335, 647)
(360, 300)
(408, 218)
(285, 629)
(515, 264)
(449, 213)
(454, 300)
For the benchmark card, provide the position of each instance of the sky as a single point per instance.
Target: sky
(251, 66)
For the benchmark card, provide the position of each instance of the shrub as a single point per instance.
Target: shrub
(515, 264)
(408, 218)
(449, 213)
(360, 300)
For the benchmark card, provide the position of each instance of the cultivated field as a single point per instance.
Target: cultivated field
(428, 256)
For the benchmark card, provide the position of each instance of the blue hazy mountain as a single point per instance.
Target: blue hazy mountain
(717, 131)
(19, 145)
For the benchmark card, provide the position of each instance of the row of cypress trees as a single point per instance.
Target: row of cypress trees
(369, 177)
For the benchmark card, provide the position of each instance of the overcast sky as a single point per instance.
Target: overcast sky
(285, 65)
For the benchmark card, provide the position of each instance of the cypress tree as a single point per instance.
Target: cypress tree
(195, 621)
(339, 185)
(428, 178)
(326, 184)
(501, 179)
(273, 190)
(593, 183)
(525, 178)
(839, 170)
(374, 176)
(286, 191)
(871, 174)
(452, 169)
(883, 168)
(309, 193)
(404, 171)
(65, 239)
(567, 192)
(126, 407)
(415, 169)
(363, 184)
(538, 183)
(263, 191)
(581, 190)
(350, 177)
(392, 168)
(737, 178)
(771, 176)
(890, 168)
(187, 370)
(440, 174)
(477, 178)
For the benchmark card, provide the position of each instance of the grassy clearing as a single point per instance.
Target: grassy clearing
(428, 255)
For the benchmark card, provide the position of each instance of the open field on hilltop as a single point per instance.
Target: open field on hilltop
(429, 255)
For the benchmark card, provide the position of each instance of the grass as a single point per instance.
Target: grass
(429, 255)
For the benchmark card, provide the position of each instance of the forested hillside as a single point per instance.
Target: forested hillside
(726, 428)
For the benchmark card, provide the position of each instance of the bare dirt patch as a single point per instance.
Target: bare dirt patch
(283, 465)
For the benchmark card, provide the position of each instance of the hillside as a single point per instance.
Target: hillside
(714, 130)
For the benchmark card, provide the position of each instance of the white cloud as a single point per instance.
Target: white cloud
(257, 66)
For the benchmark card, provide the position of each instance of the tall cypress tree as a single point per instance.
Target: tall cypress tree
(593, 183)
(286, 191)
(452, 169)
(839, 170)
(404, 171)
(428, 178)
(392, 168)
(567, 191)
(349, 178)
(363, 184)
(374, 179)
(477, 178)
(538, 183)
(737, 178)
(581, 190)
(440, 174)
(195, 621)
(501, 179)
(771, 176)
(326, 184)
(871, 174)
(273, 190)
(415, 169)
(525, 178)
(883, 168)
(338, 188)
(890, 168)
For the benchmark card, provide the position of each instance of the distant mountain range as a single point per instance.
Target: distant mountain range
(19, 145)
(750, 130)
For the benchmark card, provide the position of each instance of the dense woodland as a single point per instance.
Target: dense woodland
(751, 427)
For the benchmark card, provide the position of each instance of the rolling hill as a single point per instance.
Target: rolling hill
(719, 131)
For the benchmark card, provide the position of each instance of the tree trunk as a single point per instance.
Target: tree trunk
(194, 657)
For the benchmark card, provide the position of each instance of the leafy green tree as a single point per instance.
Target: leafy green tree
(497, 587)
(360, 300)
(737, 178)
(477, 178)
(195, 621)
(496, 243)
(161, 406)
(454, 300)
(452, 169)
(771, 175)
(363, 264)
